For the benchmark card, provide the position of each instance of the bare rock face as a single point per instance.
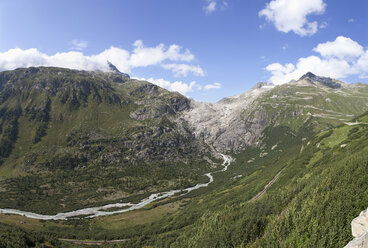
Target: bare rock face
(359, 229)
(233, 123)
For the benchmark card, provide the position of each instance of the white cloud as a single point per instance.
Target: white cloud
(210, 7)
(337, 59)
(145, 56)
(284, 47)
(323, 25)
(330, 68)
(262, 26)
(214, 5)
(341, 48)
(362, 65)
(178, 86)
(291, 15)
(351, 20)
(124, 60)
(79, 44)
(212, 86)
(15, 58)
(183, 69)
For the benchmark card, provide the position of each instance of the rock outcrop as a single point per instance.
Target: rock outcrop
(230, 124)
(359, 229)
(326, 81)
(114, 69)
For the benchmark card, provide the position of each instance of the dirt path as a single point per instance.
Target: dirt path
(93, 242)
(260, 194)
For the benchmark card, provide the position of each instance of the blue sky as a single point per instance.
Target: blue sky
(209, 49)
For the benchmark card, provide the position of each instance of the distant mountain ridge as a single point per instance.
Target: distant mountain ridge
(312, 102)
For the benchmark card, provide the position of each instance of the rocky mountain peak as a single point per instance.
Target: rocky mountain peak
(259, 85)
(114, 69)
(308, 75)
(326, 81)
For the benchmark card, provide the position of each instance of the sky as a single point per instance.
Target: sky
(204, 49)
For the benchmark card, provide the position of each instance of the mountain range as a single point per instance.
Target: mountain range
(77, 139)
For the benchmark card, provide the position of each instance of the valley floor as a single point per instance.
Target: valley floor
(101, 211)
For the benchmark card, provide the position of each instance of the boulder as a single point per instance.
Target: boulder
(359, 229)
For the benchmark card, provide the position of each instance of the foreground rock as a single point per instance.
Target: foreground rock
(359, 229)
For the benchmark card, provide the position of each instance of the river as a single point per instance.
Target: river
(99, 211)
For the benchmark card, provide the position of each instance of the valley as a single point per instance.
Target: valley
(104, 210)
(128, 160)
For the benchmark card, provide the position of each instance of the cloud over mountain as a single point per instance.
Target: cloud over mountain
(178, 86)
(124, 60)
(337, 59)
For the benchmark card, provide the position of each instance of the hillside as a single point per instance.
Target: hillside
(318, 191)
(74, 138)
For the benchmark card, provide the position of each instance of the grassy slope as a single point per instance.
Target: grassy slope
(293, 105)
(311, 205)
(320, 190)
